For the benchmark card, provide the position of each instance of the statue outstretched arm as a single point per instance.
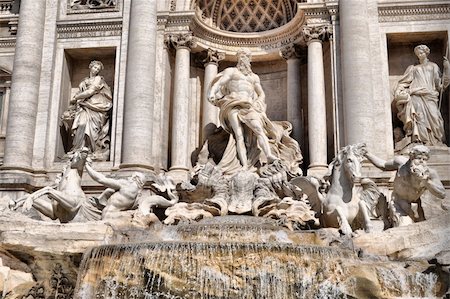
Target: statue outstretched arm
(100, 178)
(382, 164)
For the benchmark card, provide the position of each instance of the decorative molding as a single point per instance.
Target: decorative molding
(290, 52)
(213, 56)
(318, 13)
(407, 13)
(8, 42)
(79, 30)
(178, 21)
(316, 32)
(180, 40)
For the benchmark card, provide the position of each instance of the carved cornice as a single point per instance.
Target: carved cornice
(400, 13)
(213, 56)
(180, 40)
(230, 42)
(79, 30)
(177, 20)
(316, 32)
(318, 13)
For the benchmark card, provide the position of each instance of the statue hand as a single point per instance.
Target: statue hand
(402, 97)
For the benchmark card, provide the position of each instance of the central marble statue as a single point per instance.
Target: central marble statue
(238, 93)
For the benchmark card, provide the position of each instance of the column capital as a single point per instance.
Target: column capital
(316, 32)
(291, 51)
(213, 56)
(180, 40)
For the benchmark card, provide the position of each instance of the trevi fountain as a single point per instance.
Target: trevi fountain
(224, 149)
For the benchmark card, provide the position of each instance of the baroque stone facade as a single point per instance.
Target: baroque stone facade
(331, 68)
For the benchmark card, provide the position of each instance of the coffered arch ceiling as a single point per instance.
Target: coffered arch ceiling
(246, 16)
(263, 26)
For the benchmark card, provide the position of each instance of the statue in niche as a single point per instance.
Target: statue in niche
(86, 121)
(412, 179)
(417, 98)
(238, 93)
(65, 200)
(95, 4)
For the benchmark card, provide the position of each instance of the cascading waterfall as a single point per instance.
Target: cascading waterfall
(205, 270)
(234, 270)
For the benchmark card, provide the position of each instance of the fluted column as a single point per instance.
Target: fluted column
(25, 86)
(317, 118)
(180, 157)
(210, 113)
(290, 54)
(139, 86)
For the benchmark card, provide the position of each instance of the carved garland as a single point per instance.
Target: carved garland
(414, 13)
(89, 30)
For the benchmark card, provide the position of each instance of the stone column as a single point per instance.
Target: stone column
(317, 118)
(290, 54)
(210, 113)
(357, 63)
(139, 86)
(25, 86)
(180, 156)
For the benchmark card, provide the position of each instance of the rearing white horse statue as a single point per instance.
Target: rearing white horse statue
(343, 202)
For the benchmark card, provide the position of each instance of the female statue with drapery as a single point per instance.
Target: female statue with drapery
(417, 97)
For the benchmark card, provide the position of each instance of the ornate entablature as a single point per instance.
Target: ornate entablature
(79, 30)
(92, 6)
(8, 23)
(319, 13)
(390, 12)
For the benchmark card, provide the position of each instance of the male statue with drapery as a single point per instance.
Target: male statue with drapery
(417, 97)
(253, 139)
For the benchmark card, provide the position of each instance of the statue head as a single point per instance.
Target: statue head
(421, 49)
(244, 56)
(419, 153)
(97, 63)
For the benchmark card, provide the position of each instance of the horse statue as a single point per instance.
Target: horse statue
(342, 199)
(65, 200)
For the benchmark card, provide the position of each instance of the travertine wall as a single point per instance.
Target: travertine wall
(358, 84)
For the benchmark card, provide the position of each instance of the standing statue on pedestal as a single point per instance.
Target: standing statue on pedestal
(238, 93)
(412, 179)
(417, 97)
(87, 118)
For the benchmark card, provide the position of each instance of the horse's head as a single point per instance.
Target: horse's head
(78, 159)
(349, 159)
